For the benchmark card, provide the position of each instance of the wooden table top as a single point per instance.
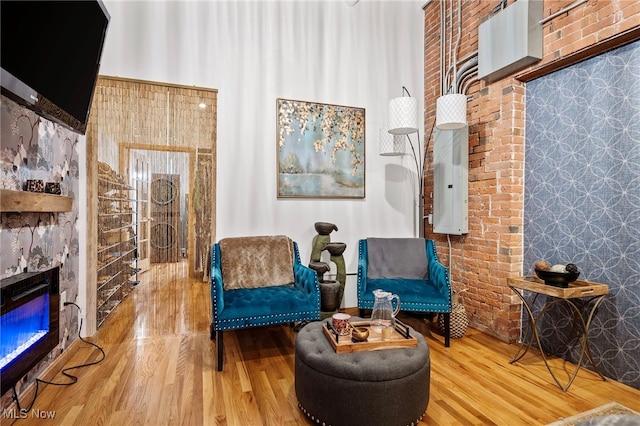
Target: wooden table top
(577, 288)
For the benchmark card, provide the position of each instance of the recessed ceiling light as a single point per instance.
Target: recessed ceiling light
(202, 105)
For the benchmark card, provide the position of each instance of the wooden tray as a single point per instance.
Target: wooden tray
(400, 338)
(577, 288)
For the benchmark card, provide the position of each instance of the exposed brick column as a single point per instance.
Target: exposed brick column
(493, 249)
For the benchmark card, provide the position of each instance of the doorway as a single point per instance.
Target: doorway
(161, 139)
(162, 179)
(167, 197)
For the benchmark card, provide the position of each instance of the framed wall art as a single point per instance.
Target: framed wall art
(320, 150)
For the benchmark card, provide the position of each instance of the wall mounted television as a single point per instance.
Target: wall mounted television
(50, 56)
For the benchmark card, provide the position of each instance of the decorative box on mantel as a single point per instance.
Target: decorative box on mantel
(24, 201)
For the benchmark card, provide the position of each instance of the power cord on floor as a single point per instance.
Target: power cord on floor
(73, 378)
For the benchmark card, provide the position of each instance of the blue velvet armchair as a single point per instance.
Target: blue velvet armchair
(408, 267)
(259, 281)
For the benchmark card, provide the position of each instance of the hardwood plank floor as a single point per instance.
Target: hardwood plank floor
(160, 370)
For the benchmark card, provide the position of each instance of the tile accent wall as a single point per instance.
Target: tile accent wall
(582, 197)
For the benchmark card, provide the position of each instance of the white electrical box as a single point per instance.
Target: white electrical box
(451, 181)
(510, 40)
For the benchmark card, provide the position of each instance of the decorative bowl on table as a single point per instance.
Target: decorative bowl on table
(557, 279)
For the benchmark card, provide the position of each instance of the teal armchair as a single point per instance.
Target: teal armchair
(259, 281)
(408, 267)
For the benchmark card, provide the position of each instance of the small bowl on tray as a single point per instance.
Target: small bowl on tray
(557, 279)
(359, 334)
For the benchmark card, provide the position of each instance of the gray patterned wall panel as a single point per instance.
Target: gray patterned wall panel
(582, 198)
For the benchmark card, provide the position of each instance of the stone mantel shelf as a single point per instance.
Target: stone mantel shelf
(24, 201)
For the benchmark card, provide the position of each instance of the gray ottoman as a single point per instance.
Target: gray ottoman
(383, 387)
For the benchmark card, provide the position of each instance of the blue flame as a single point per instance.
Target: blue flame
(23, 327)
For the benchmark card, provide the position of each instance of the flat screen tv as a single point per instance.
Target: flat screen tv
(50, 56)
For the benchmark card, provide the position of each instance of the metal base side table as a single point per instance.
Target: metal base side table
(576, 290)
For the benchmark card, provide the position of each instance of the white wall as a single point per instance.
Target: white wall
(256, 51)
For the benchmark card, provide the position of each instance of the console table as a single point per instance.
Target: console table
(579, 289)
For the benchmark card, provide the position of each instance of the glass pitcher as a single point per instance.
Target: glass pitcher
(383, 315)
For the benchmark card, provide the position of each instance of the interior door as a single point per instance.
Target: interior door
(166, 228)
(141, 181)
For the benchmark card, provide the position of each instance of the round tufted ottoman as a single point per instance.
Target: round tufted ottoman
(383, 387)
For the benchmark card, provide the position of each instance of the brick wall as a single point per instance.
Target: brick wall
(492, 250)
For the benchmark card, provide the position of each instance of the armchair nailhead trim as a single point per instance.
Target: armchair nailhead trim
(271, 320)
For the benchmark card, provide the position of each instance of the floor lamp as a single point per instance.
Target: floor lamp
(403, 121)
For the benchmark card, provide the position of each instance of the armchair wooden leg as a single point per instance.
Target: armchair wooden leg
(219, 349)
(361, 312)
(447, 329)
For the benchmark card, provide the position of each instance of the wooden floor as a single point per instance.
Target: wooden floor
(160, 370)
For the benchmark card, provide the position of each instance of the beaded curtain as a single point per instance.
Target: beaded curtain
(582, 198)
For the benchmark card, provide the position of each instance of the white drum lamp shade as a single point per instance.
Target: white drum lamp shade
(451, 112)
(403, 115)
(391, 145)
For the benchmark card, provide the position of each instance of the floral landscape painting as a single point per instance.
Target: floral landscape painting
(320, 150)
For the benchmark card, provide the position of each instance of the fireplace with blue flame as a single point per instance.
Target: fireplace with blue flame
(29, 322)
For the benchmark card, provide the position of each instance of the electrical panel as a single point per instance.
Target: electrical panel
(451, 181)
